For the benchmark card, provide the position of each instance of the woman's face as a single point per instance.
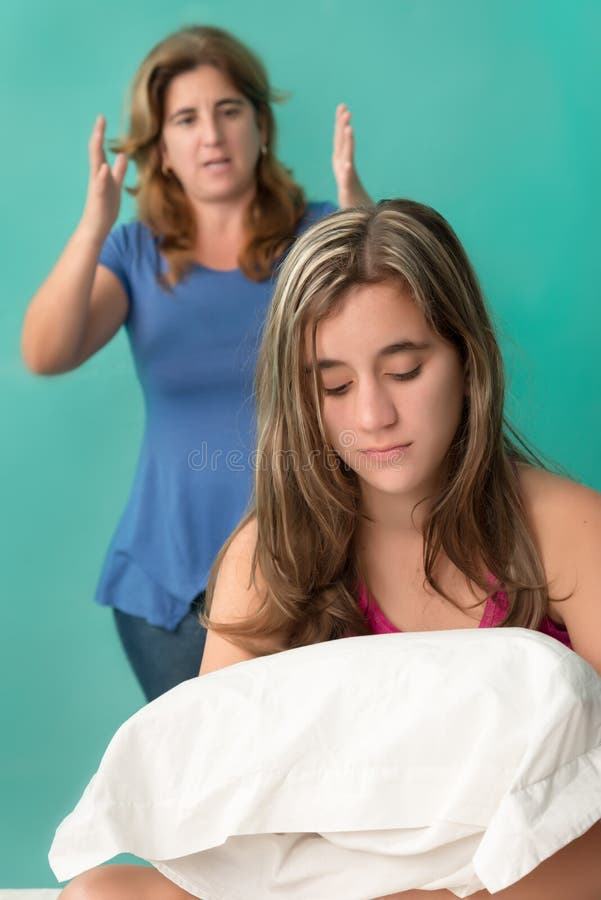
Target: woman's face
(211, 139)
(393, 390)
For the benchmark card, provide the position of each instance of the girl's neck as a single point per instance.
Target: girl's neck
(390, 514)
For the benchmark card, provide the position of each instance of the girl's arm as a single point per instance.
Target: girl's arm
(234, 599)
(81, 305)
(566, 517)
(578, 531)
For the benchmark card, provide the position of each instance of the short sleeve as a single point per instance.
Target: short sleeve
(116, 256)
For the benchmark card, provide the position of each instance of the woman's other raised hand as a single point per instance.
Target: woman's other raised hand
(350, 189)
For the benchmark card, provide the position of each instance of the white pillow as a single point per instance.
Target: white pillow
(352, 769)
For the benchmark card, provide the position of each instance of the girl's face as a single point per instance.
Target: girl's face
(211, 139)
(393, 390)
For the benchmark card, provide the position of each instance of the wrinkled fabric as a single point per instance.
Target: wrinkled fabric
(352, 769)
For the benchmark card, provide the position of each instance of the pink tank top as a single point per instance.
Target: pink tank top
(495, 611)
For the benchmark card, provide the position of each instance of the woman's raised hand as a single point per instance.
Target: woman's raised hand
(104, 187)
(350, 190)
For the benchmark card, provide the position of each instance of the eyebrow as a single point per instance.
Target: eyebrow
(225, 101)
(389, 350)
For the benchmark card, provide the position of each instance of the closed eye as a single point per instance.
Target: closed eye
(407, 376)
(396, 376)
(336, 391)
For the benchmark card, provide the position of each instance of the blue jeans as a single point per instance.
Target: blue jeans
(161, 659)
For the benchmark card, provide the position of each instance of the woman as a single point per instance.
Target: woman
(390, 494)
(191, 281)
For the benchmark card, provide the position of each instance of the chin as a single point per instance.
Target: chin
(388, 482)
(400, 482)
(223, 189)
(394, 489)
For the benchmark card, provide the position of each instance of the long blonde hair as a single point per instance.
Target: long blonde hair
(162, 204)
(306, 500)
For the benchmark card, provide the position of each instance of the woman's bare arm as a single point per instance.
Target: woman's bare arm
(80, 305)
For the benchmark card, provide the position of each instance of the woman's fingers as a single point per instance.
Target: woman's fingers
(344, 148)
(337, 129)
(95, 146)
(350, 189)
(348, 148)
(343, 117)
(99, 167)
(101, 178)
(119, 169)
(104, 187)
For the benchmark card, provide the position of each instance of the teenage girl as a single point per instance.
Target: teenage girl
(390, 493)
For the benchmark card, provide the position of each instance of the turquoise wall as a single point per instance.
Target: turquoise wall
(486, 109)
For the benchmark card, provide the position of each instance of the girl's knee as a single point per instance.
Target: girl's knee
(100, 883)
(123, 882)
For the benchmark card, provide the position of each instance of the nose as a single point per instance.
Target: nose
(211, 130)
(375, 407)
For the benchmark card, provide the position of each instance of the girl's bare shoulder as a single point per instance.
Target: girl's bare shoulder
(556, 503)
(566, 521)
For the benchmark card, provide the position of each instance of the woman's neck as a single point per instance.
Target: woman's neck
(221, 232)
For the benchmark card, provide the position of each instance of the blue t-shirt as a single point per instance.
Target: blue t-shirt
(195, 352)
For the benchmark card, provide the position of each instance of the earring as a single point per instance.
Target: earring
(166, 171)
(263, 149)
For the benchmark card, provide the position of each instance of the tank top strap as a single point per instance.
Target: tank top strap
(495, 609)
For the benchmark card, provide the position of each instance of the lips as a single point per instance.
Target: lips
(376, 451)
(386, 455)
(216, 162)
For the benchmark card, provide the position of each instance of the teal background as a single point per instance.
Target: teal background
(486, 109)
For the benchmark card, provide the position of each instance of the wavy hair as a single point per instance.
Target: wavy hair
(162, 204)
(306, 501)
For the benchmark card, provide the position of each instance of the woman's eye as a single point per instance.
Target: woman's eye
(336, 391)
(407, 376)
(231, 112)
(185, 120)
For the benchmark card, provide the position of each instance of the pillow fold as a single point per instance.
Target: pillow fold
(352, 769)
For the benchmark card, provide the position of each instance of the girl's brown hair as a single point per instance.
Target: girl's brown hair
(306, 501)
(162, 204)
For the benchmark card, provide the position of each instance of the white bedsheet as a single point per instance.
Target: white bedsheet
(352, 769)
